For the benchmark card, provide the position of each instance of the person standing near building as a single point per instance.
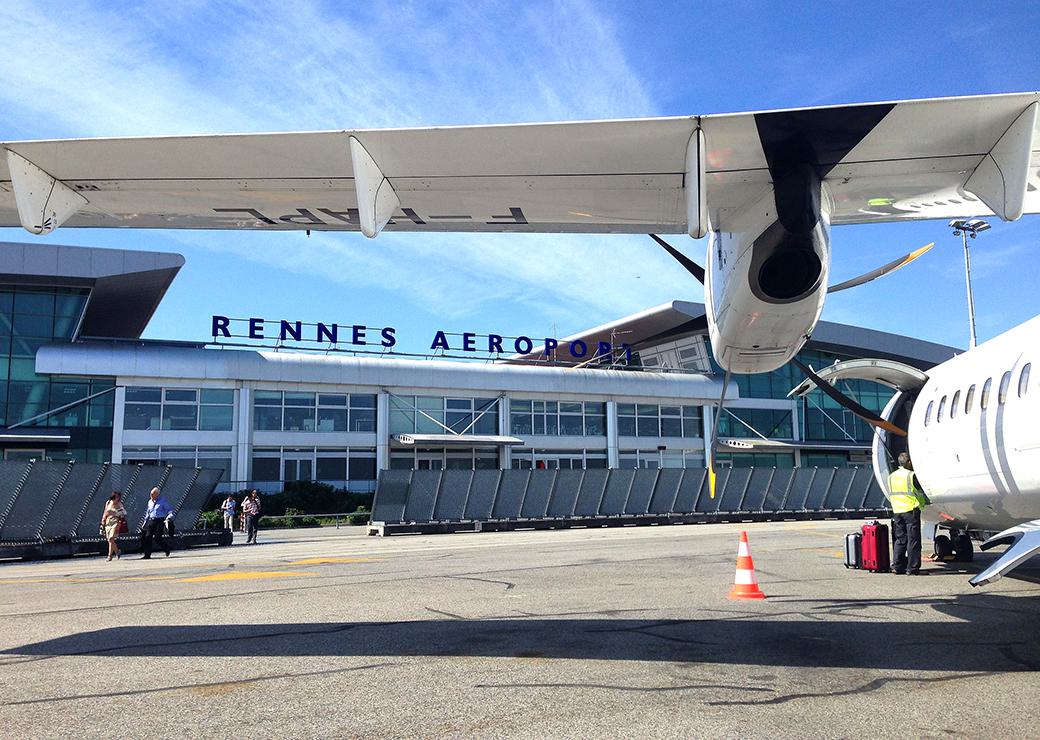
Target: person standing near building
(159, 510)
(251, 511)
(114, 521)
(228, 507)
(906, 498)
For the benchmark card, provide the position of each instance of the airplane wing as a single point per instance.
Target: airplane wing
(883, 162)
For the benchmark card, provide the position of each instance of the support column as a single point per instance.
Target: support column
(243, 435)
(612, 436)
(383, 431)
(708, 414)
(505, 458)
(118, 412)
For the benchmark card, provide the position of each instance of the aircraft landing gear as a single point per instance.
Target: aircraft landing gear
(963, 548)
(956, 546)
(943, 548)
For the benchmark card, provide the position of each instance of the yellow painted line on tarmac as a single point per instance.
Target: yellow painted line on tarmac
(321, 561)
(246, 575)
(17, 581)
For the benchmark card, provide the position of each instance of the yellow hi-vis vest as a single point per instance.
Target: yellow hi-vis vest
(903, 492)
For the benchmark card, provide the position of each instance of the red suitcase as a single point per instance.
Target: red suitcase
(875, 548)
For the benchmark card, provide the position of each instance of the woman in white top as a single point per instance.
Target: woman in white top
(113, 516)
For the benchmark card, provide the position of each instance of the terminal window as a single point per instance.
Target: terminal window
(179, 409)
(313, 412)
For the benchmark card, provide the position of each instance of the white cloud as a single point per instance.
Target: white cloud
(248, 66)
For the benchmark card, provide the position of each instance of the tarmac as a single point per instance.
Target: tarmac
(624, 632)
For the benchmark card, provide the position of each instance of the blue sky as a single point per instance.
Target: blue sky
(73, 69)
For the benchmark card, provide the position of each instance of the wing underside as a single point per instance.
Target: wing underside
(882, 162)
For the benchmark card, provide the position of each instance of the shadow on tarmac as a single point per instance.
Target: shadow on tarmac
(987, 633)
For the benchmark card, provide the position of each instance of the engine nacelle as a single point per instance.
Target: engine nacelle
(767, 275)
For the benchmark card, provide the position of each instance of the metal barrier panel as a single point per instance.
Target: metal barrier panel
(818, 488)
(841, 484)
(642, 489)
(391, 495)
(778, 490)
(539, 488)
(616, 495)
(663, 499)
(565, 493)
(81, 482)
(198, 494)
(25, 518)
(422, 495)
(451, 503)
(11, 473)
(799, 489)
(758, 487)
(736, 486)
(689, 488)
(511, 494)
(135, 500)
(117, 478)
(705, 503)
(482, 494)
(593, 486)
(875, 498)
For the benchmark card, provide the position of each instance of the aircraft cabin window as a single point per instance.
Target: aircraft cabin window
(1005, 381)
(969, 398)
(1023, 380)
(942, 408)
(928, 413)
(955, 403)
(985, 393)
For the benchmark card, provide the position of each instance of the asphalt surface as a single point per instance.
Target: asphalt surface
(579, 633)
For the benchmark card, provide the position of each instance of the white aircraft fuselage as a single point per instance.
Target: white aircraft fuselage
(974, 434)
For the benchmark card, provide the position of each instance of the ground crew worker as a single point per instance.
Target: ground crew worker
(906, 498)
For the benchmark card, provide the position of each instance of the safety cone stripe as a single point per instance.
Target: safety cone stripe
(743, 549)
(744, 562)
(745, 578)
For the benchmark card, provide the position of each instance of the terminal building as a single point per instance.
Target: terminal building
(81, 384)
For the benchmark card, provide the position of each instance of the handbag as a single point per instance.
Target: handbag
(122, 527)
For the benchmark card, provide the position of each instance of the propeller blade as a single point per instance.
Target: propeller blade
(881, 271)
(866, 414)
(715, 436)
(691, 267)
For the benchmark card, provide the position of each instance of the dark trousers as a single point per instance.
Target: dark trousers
(251, 522)
(154, 529)
(906, 536)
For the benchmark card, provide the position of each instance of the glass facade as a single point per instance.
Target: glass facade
(31, 317)
(440, 415)
(352, 468)
(822, 419)
(653, 420)
(287, 411)
(558, 418)
(179, 409)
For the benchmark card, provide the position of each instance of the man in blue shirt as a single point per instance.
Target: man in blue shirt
(158, 512)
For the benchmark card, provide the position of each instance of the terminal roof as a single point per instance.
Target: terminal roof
(126, 286)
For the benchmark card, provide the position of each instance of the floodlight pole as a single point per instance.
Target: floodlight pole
(967, 281)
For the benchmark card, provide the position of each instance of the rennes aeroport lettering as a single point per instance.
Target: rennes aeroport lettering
(294, 331)
(360, 335)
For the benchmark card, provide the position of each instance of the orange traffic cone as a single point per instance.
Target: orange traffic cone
(745, 586)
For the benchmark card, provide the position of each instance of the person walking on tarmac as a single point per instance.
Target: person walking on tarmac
(906, 498)
(159, 510)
